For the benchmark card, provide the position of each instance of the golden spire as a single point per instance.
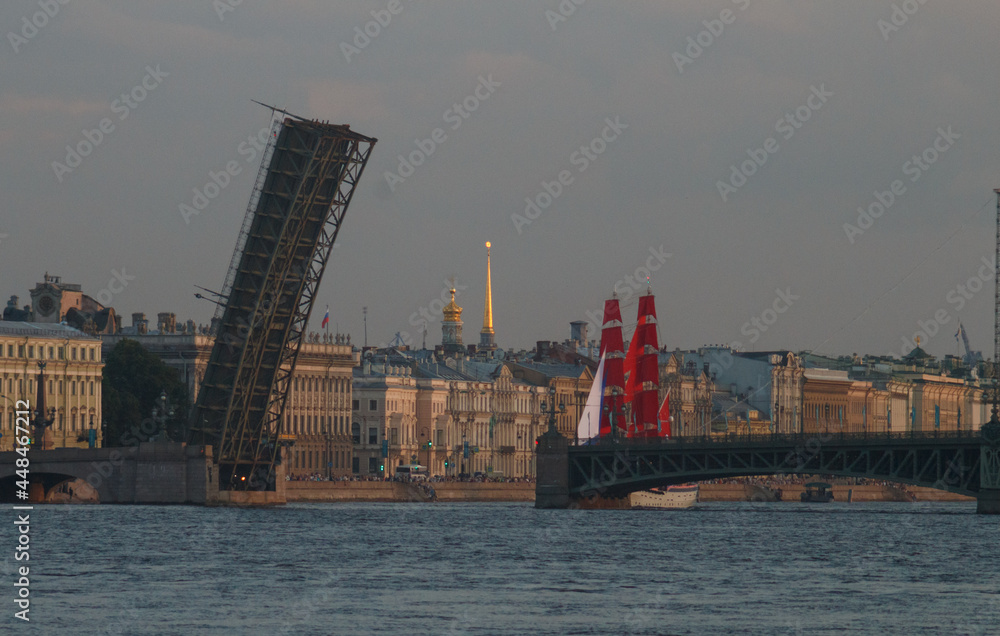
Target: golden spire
(488, 307)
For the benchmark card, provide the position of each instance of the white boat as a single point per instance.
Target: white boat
(682, 496)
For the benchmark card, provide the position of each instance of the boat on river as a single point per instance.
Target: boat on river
(817, 492)
(671, 497)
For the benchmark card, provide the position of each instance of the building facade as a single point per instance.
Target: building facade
(316, 423)
(459, 417)
(73, 370)
(690, 390)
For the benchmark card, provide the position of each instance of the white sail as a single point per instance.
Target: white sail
(590, 420)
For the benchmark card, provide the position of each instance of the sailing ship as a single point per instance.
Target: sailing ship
(624, 399)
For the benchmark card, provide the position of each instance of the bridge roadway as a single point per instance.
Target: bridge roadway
(149, 473)
(963, 462)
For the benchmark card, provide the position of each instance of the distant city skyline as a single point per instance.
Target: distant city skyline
(806, 177)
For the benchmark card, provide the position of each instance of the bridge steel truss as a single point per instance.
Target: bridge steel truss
(615, 469)
(298, 207)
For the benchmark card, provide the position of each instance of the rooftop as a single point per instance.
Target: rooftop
(42, 330)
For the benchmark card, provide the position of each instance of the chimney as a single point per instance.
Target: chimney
(578, 331)
(166, 322)
(542, 349)
(139, 323)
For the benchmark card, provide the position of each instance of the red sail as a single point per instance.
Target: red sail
(646, 384)
(664, 416)
(613, 349)
(631, 361)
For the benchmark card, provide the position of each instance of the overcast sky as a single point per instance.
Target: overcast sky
(689, 165)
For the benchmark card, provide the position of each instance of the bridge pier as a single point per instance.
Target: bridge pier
(988, 497)
(552, 471)
(988, 501)
(36, 493)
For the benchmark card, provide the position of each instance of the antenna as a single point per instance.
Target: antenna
(364, 311)
(996, 318)
(275, 109)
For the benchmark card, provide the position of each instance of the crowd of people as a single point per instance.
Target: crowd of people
(779, 480)
(478, 478)
(319, 477)
(776, 481)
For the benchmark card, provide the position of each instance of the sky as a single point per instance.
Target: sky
(722, 148)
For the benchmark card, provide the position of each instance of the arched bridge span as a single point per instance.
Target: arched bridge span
(963, 462)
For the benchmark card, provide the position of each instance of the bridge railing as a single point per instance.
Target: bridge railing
(768, 439)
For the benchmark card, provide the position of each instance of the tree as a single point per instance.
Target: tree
(133, 380)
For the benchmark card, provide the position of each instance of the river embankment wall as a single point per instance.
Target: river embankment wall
(387, 491)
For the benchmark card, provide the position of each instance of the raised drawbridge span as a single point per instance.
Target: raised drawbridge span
(307, 178)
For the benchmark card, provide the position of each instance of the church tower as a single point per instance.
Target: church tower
(486, 341)
(451, 326)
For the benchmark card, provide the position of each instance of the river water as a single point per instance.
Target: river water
(404, 569)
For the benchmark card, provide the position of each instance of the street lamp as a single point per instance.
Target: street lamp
(39, 421)
(329, 458)
(552, 410)
(610, 409)
(91, 434)
(161, 414)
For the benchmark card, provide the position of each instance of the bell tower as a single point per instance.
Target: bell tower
(451, 326)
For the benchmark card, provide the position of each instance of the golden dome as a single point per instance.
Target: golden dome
(452, 312)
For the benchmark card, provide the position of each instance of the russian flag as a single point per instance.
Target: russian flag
(326, 317)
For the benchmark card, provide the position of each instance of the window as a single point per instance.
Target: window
(355, 405)
(72, 353)
(356, 433)
(373, 436)
(372, 405)
(394, 436)
(31, 351)
(93, 353)
(62, 353)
